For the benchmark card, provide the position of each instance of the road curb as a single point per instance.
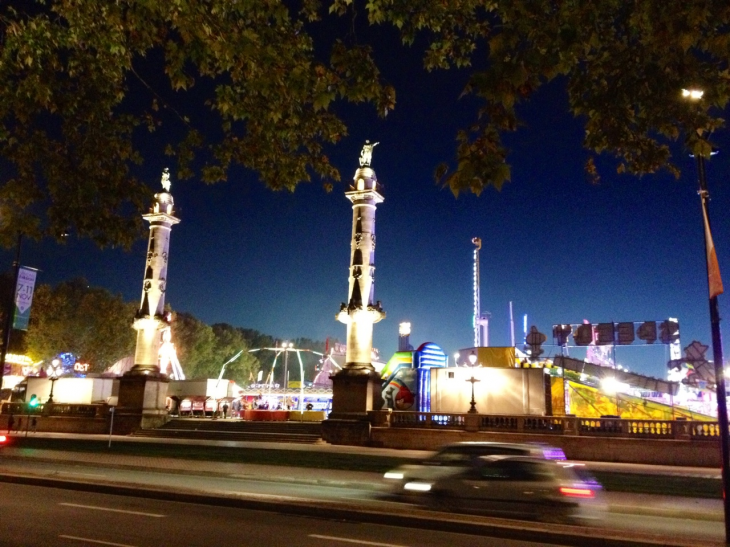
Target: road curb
(131, 467)
(707, 516)
(612, 508)
(414, 518)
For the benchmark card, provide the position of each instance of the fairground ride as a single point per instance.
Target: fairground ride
(285, 348)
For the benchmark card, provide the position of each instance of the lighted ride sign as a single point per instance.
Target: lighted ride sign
(622, 334)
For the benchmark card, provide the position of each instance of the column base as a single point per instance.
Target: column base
(356, 389)
(142, 401)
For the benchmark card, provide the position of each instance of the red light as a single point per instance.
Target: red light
(577, 492)
(3, 439)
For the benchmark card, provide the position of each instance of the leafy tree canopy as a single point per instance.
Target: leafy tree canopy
(89, 322)
(203, 349)
(77, 89)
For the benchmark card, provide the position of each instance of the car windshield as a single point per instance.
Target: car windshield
(450, 456)
(464, 455)
(517, 470)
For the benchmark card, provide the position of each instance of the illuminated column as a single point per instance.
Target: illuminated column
(356, 389)
(150, 320)
(361, 312)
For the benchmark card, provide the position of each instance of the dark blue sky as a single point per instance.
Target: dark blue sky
(560, 248)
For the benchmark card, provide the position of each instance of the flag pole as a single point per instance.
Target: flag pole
(714, 283)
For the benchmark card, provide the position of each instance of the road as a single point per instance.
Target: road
(352, 493)
(35, 515)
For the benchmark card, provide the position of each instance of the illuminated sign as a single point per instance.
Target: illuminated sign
(623, 334)
(81, 367)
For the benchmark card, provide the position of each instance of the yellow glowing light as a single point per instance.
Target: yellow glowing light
(693, 94)
(16, 359)
(611, 386)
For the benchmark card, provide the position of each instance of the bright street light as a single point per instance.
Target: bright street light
(692, 94)
(715, 288)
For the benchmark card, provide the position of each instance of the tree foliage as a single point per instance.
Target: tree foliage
(67, 120)
(203, 349)
(89, 322)
(624, 62)
(248, 83)
(96, 326)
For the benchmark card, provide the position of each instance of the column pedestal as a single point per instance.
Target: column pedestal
(142, 402)
(356, 390)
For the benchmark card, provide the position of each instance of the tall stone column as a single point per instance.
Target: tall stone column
(357, 387)
(143, 390)
(151, 319)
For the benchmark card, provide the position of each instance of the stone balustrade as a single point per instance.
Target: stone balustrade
(552, 425)
(57, 409)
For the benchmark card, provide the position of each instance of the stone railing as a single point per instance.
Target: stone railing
(552, 425)
(426, 419)
(57, 409)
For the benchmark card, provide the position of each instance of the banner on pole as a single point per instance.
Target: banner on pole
(24, 297)
(713, 269)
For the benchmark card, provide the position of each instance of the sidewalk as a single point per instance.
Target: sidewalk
(618, 502)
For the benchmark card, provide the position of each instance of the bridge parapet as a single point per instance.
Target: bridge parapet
(554, 425)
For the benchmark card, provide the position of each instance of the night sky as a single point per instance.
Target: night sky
(562, 249)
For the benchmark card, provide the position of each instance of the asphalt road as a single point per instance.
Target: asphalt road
(267, 489)
(39, 516)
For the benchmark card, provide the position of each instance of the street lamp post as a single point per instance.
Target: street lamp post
(473, 403)
(722, 418)
(287, 346)
(54, 376)
(10, 309)
(712, 268)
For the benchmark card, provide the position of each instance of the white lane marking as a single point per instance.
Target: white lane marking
(358, 541)
(112, 510)
(87, 540)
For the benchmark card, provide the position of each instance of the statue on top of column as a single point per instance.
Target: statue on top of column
(366, 155)
(166, 179)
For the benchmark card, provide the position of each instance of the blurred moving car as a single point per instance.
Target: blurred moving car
(517, 487)
(456, 457)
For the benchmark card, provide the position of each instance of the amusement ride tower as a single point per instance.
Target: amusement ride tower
(356, 388)
(481, 320)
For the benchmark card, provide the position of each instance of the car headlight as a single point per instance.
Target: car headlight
(393, 475)
(418, 486)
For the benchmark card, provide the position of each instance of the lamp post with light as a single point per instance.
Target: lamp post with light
(287, 346)
(54, 373)
(473, 403)
(10, 309)
(714, 291)
(472, 380)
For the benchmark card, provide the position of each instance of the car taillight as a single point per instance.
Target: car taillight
(3, 439)
(577, 492)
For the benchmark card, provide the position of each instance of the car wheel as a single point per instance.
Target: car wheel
(438, 501)
(556, 515)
